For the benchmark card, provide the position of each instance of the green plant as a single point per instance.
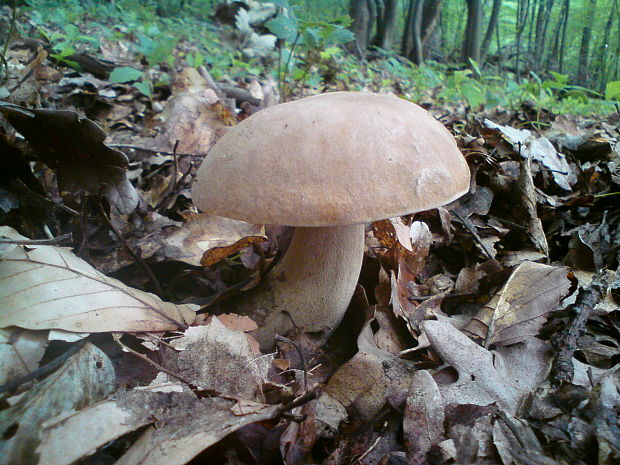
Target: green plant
(307, 46)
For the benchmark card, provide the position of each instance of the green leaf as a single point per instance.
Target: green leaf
(125, 74)
(472, 94)
(340, 36)
(145, 87)
(311, 37)
(283, 27)
(612, 90)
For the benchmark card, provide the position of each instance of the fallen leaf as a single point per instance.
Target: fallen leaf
(73, 147)
(486, 376)
(84, 379)
(541, 150)
(520, 308)
(44, 287)
(186, 425)
(219, 359)
(202, 232)
(423, 417)
(20, 352)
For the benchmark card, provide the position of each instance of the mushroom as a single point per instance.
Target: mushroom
(326, 164)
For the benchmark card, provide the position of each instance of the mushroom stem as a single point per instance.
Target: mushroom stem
(311, 287)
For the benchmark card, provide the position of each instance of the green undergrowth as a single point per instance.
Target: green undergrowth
(312, 56)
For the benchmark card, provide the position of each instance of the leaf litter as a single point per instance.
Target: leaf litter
(450, 353)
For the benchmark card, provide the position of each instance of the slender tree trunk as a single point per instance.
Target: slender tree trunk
(584, 49)
(603, 49)
(407, 42)
(542, 21)
(387, 17)
(617, 54)
(416, 53)
(522, 10)
(491, 27)
(562, 50)
(471, 44)
(430, 18)
(363, 13)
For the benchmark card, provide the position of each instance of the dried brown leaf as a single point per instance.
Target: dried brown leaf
(49, 287)
(517, 312)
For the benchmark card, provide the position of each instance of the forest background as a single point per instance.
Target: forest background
(557, 54)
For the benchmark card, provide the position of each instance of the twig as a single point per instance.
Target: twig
(173, 181)
(301, 357)
(155, 364)
(44, 369)
(472, 229)
(566, 342)
(303, 399)
(28, 242)
(147, 269)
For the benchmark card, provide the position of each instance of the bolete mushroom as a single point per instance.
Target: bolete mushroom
(326, 165)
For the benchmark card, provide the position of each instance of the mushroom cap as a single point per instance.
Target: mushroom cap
(332, 159)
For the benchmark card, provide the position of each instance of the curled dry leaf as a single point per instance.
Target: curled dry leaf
(193, 116)
(520, 308)
(485, 377)
(370, 378)
(541, 150)
(423, 418)
(219, 359)
(186, 426)
(84, 379)
(73, 147)
(45, 287)
(20, 352)
(201, 233)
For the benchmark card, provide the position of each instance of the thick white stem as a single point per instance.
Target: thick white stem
(311, 287)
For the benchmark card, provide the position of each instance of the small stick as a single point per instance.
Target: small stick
(27, 242)
(472, 229)
(155, 364)
(147, 269)
(301, 358)
(566, 342)
(44, 369)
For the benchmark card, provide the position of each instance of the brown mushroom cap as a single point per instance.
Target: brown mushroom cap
(332, 159)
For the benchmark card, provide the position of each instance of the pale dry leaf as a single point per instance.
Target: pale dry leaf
(190, 431)
(541, 150)
(20, 352)
(202, 232)
(48, 287)
(423, 418)
(485, 376)
(517, 312)
(370, 378)
(219, 359)
(190, 116)
(180, 416)
(84, 379)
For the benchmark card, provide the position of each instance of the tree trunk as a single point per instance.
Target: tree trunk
(584, 49)
(407, 42)
(471, 44)
(493, 21)
(542, 22)
(363, 13)
(522, 10)
(386, 24)
(601, 61)
(430, 18)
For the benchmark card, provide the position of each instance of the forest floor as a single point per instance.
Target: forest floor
(485, 331)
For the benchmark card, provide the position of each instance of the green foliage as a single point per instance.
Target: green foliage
(612, 90)
(312, 53)
(125, 74)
